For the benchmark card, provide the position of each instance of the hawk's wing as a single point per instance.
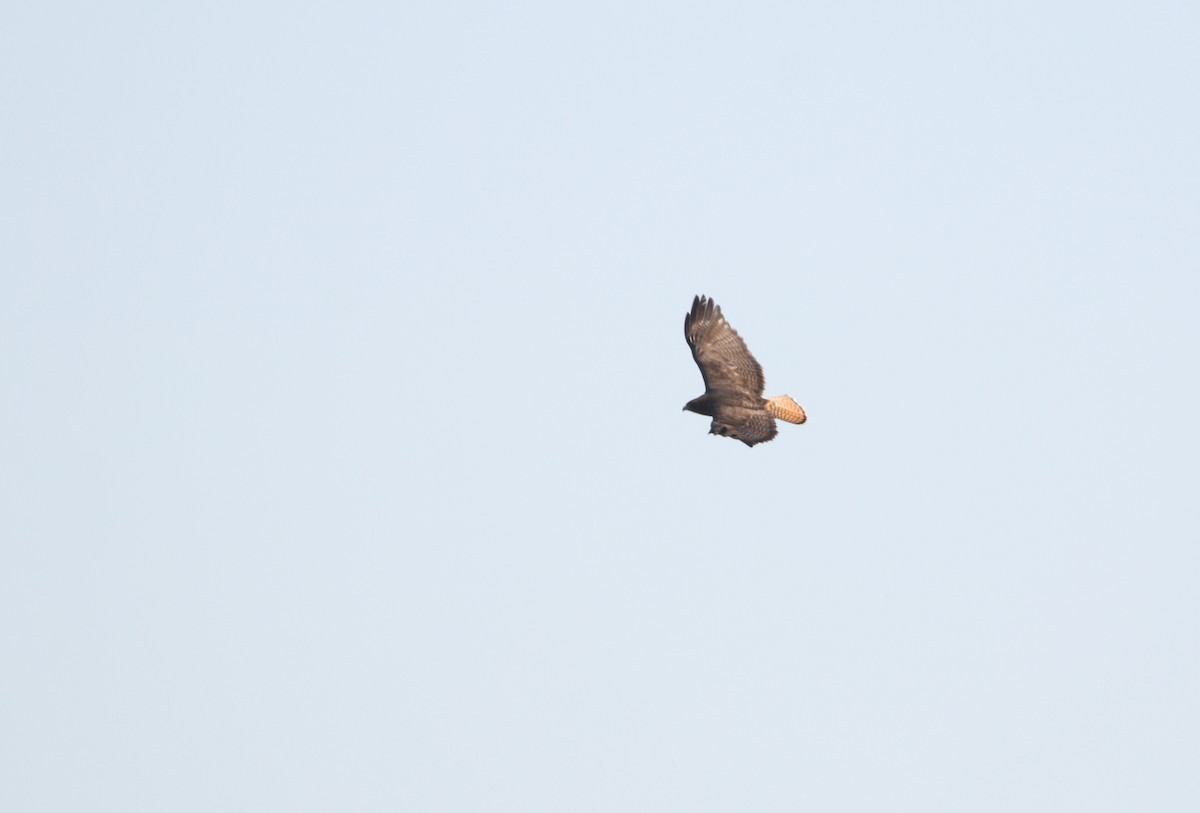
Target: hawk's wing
(722, 356)
(750, 426)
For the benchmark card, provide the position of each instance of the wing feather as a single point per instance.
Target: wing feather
(726, 363)
(750, 426)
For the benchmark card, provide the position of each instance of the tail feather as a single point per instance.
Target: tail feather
(785, 409)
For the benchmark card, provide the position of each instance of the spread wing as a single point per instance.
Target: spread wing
(729, 371)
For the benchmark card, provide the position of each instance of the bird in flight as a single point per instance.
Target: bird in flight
(733, 380)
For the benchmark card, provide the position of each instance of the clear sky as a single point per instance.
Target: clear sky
(342, 457)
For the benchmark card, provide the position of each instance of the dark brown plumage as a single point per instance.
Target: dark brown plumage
(733, 380)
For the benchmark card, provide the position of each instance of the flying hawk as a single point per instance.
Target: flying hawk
(733, 380)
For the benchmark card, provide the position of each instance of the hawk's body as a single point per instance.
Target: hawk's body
(733, 380)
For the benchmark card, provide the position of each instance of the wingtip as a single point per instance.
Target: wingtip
(701, 311)
(705, 307)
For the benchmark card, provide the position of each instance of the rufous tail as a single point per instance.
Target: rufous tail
(785, 409)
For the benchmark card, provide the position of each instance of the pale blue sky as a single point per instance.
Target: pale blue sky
(342, 458)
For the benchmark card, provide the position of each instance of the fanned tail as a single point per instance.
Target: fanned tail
(785, 409)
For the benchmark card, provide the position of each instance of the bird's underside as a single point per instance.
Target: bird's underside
(733, 380)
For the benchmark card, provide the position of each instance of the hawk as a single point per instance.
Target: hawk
(733, 380)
